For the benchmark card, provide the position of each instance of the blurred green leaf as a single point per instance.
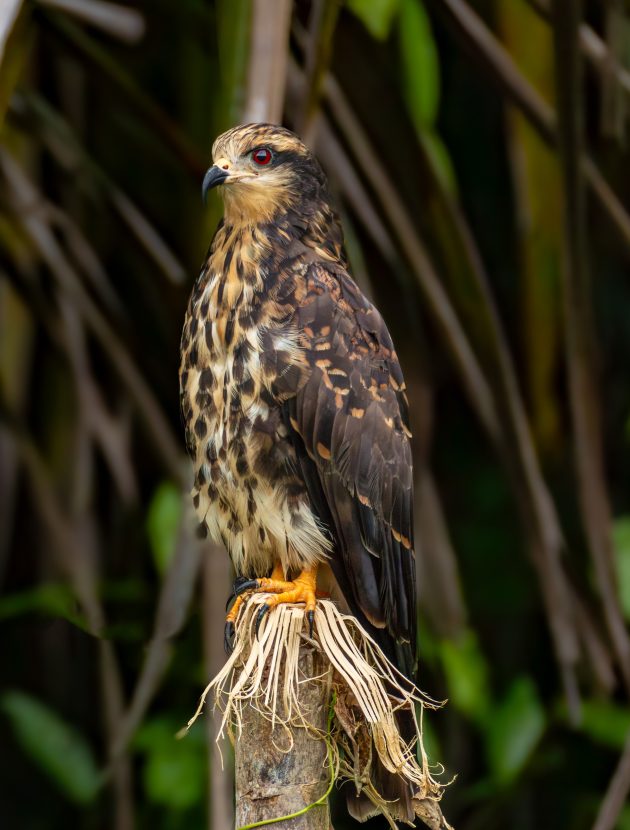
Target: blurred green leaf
(52, 598)
(513, 730)
(163, 520)
(175, 779)
(623, 822)
(466, 676)
(420, 65)
(58, 748)
(621, 540)
(606, 722)
(431, 742)
(174, 773)
(376, 15)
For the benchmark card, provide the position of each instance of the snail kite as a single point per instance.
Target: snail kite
(293, 399)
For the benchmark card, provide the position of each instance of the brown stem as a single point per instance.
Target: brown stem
(216, 580)
(617, 793)
(267, 70)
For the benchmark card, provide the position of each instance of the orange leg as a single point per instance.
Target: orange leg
(241, 591)
(302, 589)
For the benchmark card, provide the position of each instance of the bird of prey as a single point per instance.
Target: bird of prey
(293, 399)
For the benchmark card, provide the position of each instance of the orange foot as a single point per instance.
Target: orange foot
(301, 589)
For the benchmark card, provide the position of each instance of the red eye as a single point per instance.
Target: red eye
(262, 156)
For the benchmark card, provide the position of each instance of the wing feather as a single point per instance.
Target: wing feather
(349, 423)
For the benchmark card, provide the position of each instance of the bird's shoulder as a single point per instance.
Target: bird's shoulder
(344, 338)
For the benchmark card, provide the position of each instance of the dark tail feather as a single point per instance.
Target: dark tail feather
(391, 787)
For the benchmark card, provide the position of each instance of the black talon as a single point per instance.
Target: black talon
(310, 616)
(241, 583)
(261, 616)
(228, 637)
(245, 585)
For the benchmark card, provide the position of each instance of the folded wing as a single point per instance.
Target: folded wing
(350, 428)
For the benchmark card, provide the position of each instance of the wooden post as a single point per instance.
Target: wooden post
(271, 782)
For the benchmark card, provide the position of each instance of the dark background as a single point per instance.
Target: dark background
(478, 153)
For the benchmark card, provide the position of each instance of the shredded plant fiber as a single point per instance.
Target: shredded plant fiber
(367, 690)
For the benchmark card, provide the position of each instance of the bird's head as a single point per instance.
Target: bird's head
(262, 169)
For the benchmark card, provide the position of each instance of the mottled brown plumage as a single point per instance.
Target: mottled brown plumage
(291, 392)
(292, 395)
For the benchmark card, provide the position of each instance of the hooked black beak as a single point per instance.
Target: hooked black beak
(214, 176)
